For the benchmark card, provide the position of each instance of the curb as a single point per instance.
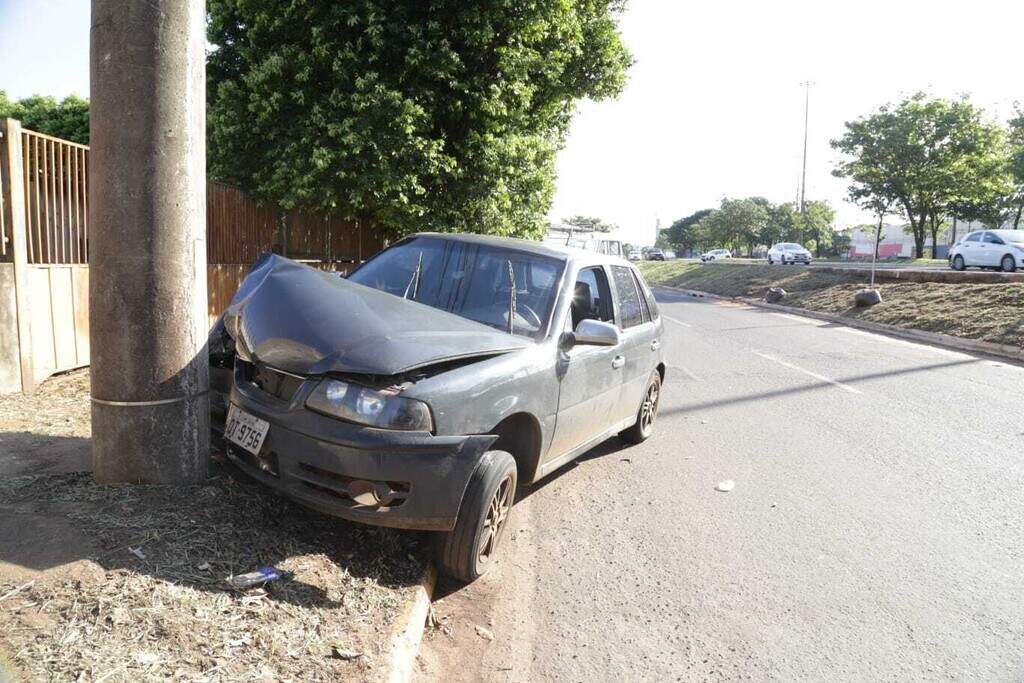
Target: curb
(933, 338)
(408, 633)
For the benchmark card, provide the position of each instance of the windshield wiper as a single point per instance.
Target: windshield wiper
(414, 279)
(512, 298)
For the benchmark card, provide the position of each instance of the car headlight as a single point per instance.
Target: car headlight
(370, 407)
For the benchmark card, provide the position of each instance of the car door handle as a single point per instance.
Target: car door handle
(655, 345)
(618, 362)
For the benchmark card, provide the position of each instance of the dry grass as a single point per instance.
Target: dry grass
(76, 603)
(988, 312)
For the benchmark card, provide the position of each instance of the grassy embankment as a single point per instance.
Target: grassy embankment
(989, 312)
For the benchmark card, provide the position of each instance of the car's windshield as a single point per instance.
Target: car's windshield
(789, 246)
(470, 280)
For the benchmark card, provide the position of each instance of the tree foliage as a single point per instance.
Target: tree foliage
(927, 157)
(589, 223)
(682, 234)
(425, 114)
(67, 119)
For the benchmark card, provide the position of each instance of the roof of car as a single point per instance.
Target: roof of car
(530, 246)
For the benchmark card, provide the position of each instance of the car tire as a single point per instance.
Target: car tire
(770, 262)
(1008, 265)
(466, 552)
(647, 413)
(958, 262)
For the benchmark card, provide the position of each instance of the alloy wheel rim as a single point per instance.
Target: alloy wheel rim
(494, 522)
(649, 409)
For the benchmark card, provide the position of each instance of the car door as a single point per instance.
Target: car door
(590, 376)
(638, 338)
(993, 248)
(971, 250)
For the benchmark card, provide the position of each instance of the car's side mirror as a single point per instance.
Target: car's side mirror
(594, 333)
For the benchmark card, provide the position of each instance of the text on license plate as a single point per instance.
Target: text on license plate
(245, 430)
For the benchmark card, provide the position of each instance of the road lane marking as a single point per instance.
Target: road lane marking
(677, 322)
(773, 359)
(805, 321)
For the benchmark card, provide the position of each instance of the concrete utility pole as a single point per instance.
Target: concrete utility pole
(147, 252)
(803, 174)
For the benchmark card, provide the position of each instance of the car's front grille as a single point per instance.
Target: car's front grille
(278, 384)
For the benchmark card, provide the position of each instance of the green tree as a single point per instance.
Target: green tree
(682, 234)
(815, 225)
(1016, 164)
(923, 154)
(589, 223)
(414, 115)
(736, 222)
(67, 119)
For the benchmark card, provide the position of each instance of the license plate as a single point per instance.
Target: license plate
(245, 430)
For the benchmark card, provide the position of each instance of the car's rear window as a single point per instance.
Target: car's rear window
(471, 280)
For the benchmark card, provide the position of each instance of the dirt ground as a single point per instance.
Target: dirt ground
(117, 583)
(987, 312)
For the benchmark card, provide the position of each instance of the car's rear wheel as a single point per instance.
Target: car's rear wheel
(467, 551)
(644, 425)
(958, 262)
(1008, 264)
(770, 262)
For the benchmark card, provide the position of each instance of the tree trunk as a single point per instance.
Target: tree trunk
(953, 240)
(1016, 219)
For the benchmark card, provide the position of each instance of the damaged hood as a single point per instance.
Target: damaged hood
(309, 322)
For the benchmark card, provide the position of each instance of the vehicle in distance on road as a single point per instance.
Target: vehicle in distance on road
(420, 390)
(655, 255)
(635, 255)
(1002, 249)
(715, 254)
(788, 252)
(669, 254)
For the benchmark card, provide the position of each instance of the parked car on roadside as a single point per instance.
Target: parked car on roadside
(1002, 249)
(715, 254)
(635, 255)
(422, 389)
(669, 254)
(788, 252)
(655, 254)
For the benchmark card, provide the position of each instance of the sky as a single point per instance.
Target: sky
(714, 105)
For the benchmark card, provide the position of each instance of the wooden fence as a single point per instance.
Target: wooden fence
(44, 250)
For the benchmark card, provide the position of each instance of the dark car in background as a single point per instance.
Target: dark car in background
(419, 391)
(655, 254)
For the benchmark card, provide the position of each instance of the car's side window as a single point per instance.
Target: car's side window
(993, 238)
(630, 313)
(650, 305)
(974, 237)
(591, 297)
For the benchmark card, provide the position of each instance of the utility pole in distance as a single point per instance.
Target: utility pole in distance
(147, 255)
(803, 173)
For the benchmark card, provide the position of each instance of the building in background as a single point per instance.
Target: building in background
(898, 242)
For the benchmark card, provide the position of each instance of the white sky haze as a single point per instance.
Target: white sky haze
(714, 105)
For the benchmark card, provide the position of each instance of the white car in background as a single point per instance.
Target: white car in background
(788, 252)
(715, 254)
(1002, 249)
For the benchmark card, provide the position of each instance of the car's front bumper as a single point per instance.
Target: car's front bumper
(413, 480)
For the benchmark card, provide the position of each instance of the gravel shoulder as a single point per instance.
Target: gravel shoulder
(986, 312)
(128, 582)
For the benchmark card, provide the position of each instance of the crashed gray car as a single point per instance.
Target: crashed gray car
(421, 389)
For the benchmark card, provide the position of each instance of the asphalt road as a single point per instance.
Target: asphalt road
(875, 531)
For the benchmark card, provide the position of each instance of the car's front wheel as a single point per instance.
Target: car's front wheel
(958, 262)
(1008, 265)
(467, 551)
(644, 425)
